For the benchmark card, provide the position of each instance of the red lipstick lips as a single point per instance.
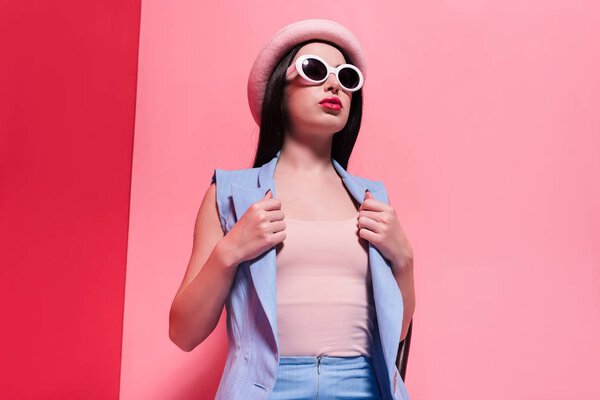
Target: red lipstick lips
(332, 103)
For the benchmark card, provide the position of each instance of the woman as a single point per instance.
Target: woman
(318, 281)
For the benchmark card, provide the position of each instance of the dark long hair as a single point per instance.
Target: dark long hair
(274, 117)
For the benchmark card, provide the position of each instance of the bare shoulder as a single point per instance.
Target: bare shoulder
(207, 230)
(207, 220)
(207, 233)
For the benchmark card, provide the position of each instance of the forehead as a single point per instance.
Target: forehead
(331, 54)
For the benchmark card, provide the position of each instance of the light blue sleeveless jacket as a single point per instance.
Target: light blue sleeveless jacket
(253, 357)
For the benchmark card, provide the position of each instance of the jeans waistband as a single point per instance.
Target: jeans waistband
(325, 360)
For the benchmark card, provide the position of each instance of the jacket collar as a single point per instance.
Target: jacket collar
(245, 194)
(355, 186)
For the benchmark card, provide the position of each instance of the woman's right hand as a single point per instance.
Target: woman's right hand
(260, 228)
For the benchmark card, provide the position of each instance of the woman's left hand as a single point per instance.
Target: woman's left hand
(379, 225)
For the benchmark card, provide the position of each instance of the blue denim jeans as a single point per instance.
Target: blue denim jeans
(326, 378)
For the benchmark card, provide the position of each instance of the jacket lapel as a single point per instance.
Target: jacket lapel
(387, 298)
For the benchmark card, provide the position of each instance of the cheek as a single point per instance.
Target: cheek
(348, 102)
(298, 105)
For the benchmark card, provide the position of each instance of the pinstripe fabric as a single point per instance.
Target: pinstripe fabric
(252, 364)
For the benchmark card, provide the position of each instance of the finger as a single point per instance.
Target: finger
(276, 226)
(271, 204)
(368, 195)
(368, 235)
(275, 215)
(368, 223)
(371, 203)
(374, 215)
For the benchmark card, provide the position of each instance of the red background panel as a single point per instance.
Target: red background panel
(67, 99)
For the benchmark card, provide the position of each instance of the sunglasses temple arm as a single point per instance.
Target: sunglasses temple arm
(290, 70)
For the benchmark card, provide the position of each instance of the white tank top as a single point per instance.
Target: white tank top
(324, 293)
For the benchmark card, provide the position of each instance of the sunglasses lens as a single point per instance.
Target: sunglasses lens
(314, 69)
(349, 78)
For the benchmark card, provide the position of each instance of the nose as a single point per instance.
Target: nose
(332, 83)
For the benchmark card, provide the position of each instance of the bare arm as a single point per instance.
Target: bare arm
(406, 282)
(199, 302)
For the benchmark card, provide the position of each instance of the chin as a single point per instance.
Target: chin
(325, 122)
(337, 122)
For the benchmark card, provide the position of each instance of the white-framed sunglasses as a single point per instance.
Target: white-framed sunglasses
(315, 70)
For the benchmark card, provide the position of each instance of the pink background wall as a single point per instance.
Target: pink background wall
(481, 118)
(67, 102)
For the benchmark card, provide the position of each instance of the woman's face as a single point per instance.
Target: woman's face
(302, 99)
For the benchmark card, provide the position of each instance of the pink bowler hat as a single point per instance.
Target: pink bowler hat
(284, 40)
